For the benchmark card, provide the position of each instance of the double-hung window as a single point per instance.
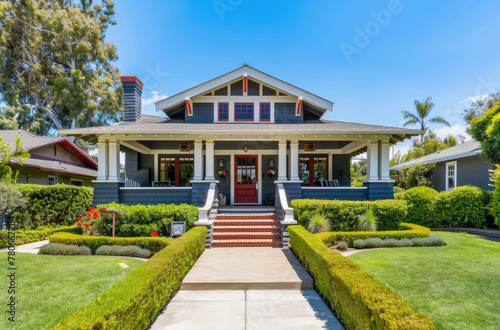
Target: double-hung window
(451, 175)
(243, 112)
(52, 180)
(223, 111)
(265, 112)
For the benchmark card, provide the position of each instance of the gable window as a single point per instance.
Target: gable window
(176, 170)
(313, 169)
(265, 112)
(451, 175)
(243, 112)
(223, 111)
(52, 180)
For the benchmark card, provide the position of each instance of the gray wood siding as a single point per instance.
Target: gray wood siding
(202, 113)
(61, 154)
(153, 196)
(36, 176)
(347, 194)
(284, 113)
(471, 170)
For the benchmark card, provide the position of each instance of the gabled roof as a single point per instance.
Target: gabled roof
(466, 149)
(172, 101)
(57, 166)
(32, 141)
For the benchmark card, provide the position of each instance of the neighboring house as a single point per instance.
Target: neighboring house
(456, 166)
(259, 130)
(53, 160)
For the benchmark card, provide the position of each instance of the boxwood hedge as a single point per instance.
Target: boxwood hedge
(343, 215)
(35, 235)
(419, 201)
(94, 242)
(408, 230)
(359, 300)
(135, 301)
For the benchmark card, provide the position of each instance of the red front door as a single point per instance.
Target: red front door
(246, 179)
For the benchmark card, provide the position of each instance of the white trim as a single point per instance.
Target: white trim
(156, 168)
(333, 188)
(252, 74)
(454, 163)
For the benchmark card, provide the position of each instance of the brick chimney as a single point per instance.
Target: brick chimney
(132, 92)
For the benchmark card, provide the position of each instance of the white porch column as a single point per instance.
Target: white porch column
(103, 154)
(294, 161)
(114, 161)
(372, 161)
(198, 160)
(282, 161)
(209, 155)
(383, 160)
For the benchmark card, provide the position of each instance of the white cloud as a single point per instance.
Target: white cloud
(454, 130)
(154, 98)
(472, 99)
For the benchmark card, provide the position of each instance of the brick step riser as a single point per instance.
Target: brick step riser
(244, 244)
(241, 229)
(245, 217)
(246, 236)
(227, 223)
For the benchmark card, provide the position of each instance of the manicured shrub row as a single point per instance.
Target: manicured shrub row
(359, 300)
(464, 206)
(94, 242)
(51, 205)
(135, 301)
(35, 235)
(64, 249)
(123, 250)
(141, 220)
(343, 215)
(408, 230)
(370, 243)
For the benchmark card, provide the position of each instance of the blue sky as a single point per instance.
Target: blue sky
(406, 50)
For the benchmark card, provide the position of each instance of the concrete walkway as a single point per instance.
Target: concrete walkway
(247, 288)
(28, 248)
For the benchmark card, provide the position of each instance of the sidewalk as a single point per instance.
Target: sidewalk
(28, 248)
(247, 288)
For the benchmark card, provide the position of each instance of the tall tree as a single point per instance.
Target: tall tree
(420, 117)
(55, 64)
(486, 129)
(480, 106)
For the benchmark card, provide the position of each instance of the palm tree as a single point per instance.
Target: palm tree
(420, 117)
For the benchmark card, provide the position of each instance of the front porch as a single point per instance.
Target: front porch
(167, 169)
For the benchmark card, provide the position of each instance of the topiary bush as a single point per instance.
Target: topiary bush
(51, 205)
(465, 206)
(123, 250)
(141, 220)
(343, 215)
(420, 200)
(135, 301)
(408, 230)
(360, 301)
(94, 242)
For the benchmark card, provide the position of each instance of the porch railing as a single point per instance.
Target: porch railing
(210, 206)
(285, 210)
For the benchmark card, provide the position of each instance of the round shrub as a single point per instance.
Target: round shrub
(123, 250)
(84, 250)
(465, 206)
(343, 246)
(420, 201)
(59, 249)
(359, 244)
(432, 240)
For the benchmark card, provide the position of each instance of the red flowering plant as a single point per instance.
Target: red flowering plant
(91, 222)
(153, 234)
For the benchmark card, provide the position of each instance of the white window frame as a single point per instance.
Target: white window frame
(55, 180)
(71, 180)
(447, 176)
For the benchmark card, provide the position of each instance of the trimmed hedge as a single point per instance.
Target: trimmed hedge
(94, 242)
(465, 206)
(135, 301)
(35, 235)
(141, 220)
(51, 205)
(409, 230)
(63, 249)
(343, 215)
(359, 300)
(123, 250)
(419, 201)
(370, 243)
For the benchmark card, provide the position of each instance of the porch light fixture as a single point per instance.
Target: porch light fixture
(245, 149)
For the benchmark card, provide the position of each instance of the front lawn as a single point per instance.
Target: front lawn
(457, 285)
(50, 288)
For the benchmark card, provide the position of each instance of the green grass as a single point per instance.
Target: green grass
(49, 288)
(458, 285)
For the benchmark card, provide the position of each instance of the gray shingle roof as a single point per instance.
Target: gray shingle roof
(153, 124)
(53, 165)
(465, 149)
(30, 140)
